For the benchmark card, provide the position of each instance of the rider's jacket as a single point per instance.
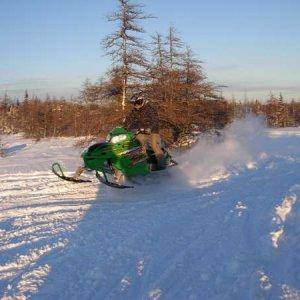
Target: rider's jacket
(144, 118)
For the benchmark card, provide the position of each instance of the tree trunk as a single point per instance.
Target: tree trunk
(124, 93)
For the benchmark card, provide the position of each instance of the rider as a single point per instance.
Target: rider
(143, 119)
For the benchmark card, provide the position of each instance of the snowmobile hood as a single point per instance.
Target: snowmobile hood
(96, 155)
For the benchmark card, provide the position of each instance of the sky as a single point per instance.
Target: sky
(51, 47)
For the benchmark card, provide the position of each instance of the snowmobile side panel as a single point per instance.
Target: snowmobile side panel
(97, 155)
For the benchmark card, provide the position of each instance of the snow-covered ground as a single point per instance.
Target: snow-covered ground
(223, 225)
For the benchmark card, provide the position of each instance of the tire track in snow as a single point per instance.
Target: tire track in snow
(38, 211)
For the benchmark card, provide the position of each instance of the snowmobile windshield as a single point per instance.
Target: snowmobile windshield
(117, 135)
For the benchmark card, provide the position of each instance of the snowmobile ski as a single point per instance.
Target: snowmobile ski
(57, 170)
(105, 181)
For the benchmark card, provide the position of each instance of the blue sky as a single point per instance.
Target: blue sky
(51, 47)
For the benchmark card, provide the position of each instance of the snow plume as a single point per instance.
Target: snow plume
(214, 158)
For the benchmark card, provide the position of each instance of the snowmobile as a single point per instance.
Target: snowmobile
(121, 155)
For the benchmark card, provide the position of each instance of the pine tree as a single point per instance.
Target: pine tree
(159, 67)
(6, 101)
(174, 55)
(192, 75)
(124, 45)
(26, 97)
(175, 46)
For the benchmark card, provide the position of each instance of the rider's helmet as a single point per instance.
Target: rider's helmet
(138, 99)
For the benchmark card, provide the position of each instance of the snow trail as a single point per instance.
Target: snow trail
(203, 234)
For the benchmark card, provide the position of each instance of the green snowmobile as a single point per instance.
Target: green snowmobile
(121, 155)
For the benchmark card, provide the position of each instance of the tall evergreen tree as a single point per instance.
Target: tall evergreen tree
(174, 55)
(192, 76)
(175, 46)
(159, 67)
(26, 96)
(124, 45)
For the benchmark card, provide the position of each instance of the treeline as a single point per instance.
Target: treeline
(277, 112)
(39, 118)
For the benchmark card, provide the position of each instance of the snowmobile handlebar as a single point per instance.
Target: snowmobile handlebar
(143, 131)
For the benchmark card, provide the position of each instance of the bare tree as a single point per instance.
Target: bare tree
(196, 85)
(159, 52)
(124, 46)
(159, 66)
(92, 93)
(192, 74)
(26, 97)
(6, 101)
(175, 45)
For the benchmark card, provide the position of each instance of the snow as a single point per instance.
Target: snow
(224, 224)
(283, 210)
(283, 132)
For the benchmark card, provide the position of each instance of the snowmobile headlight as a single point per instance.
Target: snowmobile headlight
(118, 138)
